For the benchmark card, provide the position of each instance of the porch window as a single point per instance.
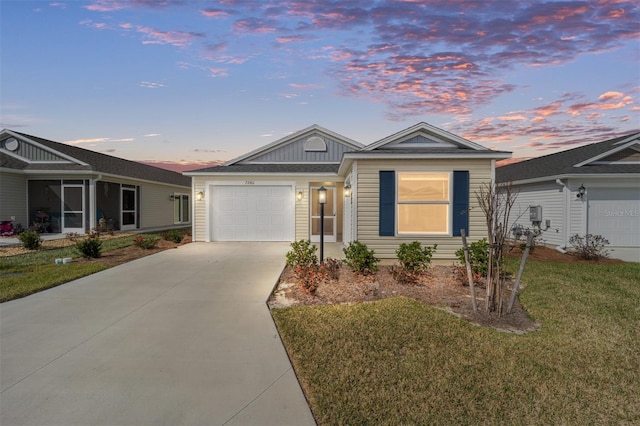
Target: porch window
(181, 208)
(423, 203)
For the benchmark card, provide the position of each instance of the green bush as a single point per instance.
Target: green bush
(415, 258)
(360, 258)
(302, 254)
(589, 247)
(90, 247)
(146, 241)
(478, 256)
(175, 235)
(30, 240)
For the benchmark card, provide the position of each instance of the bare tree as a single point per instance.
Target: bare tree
(496, 206)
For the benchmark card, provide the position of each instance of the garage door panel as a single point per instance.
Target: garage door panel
(252, 213)
(615, 214)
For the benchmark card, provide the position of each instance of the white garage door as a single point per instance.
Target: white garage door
(252, 213)
(615, 214)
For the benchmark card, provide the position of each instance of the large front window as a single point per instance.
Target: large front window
(423, 203)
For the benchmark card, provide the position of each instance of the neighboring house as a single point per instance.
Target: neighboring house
(608, 172)
(417, 184)
(63, 188)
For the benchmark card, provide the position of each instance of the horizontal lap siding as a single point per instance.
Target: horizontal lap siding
(13, 188)
(368, 204)
(551, 198)
(301, 210)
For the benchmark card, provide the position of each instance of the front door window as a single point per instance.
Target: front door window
(73, 211)
(329, 215)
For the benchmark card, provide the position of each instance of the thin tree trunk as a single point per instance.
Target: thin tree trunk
(516, 285)
(465, 248)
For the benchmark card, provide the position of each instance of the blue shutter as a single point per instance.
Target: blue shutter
(460, 202)
(387, 203)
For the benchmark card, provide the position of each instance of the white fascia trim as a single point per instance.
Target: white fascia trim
(90, 174)
(289, 162)
(630, 138)
(574, 176)
(290, 138)
(476, 154)
(252, 183)
(606, 154)
(446, 136)
(46, 148)
(261, 174)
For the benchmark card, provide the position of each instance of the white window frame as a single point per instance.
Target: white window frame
(448, 203)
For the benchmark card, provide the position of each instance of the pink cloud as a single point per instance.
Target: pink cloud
(175, 38)
(255, 25)
(214, 13)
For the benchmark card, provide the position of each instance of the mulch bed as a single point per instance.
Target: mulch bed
(441, 286)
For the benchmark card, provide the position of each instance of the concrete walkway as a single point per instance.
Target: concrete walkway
(181, 337)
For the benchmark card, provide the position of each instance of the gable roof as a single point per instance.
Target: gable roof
(584, 160)
(431, 133)
(84, 159)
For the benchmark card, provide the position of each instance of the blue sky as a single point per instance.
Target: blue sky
(186, 84)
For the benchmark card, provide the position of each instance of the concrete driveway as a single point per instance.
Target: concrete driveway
(180, 337)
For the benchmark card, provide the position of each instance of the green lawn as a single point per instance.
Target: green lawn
(29, 273)
(397, 361)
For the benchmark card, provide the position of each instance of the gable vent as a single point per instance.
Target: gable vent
(315, 143)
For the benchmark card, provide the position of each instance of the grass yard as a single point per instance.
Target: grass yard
(398, 361)
(28, 273)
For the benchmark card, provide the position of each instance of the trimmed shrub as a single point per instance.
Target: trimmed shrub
(415, 258)
(360, 258)
(30, 240)
(175, 235)
(90, 247)
(302, 253)
(478, 256)
(589, 247)
(146, 242)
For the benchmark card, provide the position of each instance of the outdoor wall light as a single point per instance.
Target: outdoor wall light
(581, 191)
(200, 195)
(299, 195)
(347, 190)
(172, 197)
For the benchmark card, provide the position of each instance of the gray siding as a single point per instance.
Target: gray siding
(13, 198)
(34, 153)
(294, 152)
(551, 197)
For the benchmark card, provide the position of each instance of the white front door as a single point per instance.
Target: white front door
(73, 208)
(329, 215)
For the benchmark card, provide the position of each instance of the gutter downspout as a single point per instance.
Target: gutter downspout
(565, 217)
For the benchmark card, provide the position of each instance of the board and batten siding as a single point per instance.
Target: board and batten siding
(294, 152)
(551, 197)
(201, 222)
(13, 202)
(368, 204)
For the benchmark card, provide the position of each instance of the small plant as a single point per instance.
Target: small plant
(174, 235)
(72, 236)
(589, 247)
(302, 253)
(309, 277)
(415, 258)
(330, 269)
(146, 242)
(90, 247)
(30, 240)
(360, 258)
(478, 256)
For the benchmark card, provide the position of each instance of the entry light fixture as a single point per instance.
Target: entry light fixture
(347, 190)
(172, 197)
(581, 191)
(299, 195)
(322, 195)
(200, 195)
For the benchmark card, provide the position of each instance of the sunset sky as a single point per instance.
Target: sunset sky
(186, 84)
